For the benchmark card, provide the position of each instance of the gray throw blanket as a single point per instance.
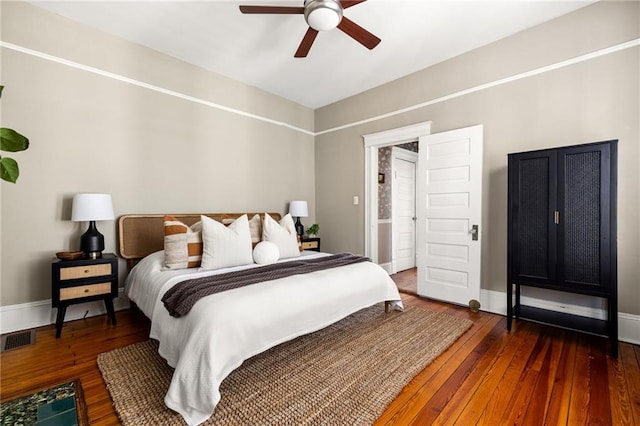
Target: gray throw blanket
(181, 297)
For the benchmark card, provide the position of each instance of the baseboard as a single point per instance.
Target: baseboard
(628, 324)
(387, 267)
(629, 328)
(37, 314)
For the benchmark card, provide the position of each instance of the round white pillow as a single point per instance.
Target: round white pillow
(265, 253)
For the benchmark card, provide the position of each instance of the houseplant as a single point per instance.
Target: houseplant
(312, 231)
(10, 141)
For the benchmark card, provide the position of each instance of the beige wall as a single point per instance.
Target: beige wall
(152, 151)
(156, 153)
(597, 99)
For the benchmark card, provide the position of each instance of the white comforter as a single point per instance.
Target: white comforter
(224, 329)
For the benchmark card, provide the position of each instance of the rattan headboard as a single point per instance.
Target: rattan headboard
(142, 234)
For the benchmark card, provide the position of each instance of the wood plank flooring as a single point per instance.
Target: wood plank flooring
(407, 281)
(534, 375)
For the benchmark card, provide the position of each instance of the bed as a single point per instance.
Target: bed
(224, 329)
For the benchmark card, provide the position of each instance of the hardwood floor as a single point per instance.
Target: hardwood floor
(407, 281)
(534, 375)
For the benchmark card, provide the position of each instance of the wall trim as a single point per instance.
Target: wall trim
(38, 314)
(388, 267)
(153, 87)
(519, 76)
(536, 71)
(628, 324)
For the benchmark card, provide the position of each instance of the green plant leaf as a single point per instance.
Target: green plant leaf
(9, 169)
(12, 141)
(1, 87)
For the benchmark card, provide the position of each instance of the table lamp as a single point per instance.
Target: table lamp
(299, 209)
(91, 208)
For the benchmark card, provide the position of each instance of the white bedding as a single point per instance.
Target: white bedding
(224, 329)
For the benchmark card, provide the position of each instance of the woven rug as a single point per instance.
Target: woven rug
(347, 373)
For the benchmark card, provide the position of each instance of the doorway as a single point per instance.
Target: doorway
(403, 206)
(372, 143)
(396, 219)
(449, 196)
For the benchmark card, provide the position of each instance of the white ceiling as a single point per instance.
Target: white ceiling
(258, 49)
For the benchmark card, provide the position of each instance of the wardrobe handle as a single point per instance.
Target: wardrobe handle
(556, 217)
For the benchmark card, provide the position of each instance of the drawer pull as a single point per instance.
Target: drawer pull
(86, 290)
(86, 271)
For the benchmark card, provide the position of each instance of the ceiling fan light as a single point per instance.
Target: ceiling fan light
(322, 15)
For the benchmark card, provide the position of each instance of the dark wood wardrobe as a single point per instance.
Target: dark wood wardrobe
(562, 232)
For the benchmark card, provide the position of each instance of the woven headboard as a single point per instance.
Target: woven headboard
(142, 234)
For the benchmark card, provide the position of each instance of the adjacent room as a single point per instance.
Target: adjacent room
(320, 212)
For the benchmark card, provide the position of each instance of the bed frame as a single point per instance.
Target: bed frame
(139, 235)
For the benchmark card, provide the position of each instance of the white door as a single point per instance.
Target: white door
(449, 196)
(404, 209)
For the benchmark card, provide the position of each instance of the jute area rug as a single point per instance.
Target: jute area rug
(345, 374)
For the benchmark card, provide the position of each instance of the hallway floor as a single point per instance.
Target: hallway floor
(407, 281)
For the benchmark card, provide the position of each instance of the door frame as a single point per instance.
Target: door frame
(372, 142)
(410, 156)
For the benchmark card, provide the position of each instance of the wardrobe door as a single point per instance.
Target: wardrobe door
(584, 191)
(532, 201)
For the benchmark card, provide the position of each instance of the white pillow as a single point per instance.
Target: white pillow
(225, 246)
(255, 226)
(266, 253)
(282, 235)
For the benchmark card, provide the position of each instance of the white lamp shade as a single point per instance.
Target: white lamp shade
(298, 209)
(88, 207)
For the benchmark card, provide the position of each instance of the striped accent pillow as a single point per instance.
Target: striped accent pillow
(182, 244)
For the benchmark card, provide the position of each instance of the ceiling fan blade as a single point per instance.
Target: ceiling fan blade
(348, 3)
(305, 44)
(291, 10)
(358, 33)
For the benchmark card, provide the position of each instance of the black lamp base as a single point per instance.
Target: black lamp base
(299, 227)
(92, 242)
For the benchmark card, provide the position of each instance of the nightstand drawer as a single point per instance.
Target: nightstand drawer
(309, 245)
(68, 293)
(85, 271)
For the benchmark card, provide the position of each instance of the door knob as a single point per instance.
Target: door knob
(474, 233)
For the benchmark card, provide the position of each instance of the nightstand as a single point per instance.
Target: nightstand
(310, 243)
(83, 280)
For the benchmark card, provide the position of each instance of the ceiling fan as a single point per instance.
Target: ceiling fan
(321, 15)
